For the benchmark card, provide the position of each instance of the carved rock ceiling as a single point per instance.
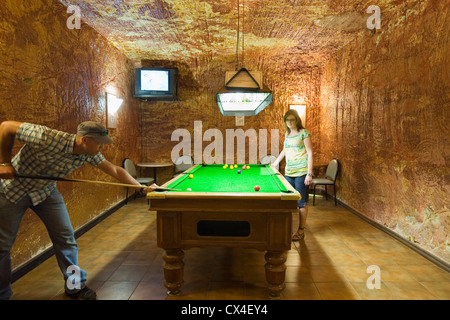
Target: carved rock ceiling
(204, 30)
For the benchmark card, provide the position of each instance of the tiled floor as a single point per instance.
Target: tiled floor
(123, 262)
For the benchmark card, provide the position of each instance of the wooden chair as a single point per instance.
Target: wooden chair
(182, 163)
(269, 159)
(328, 180)
(129, 166)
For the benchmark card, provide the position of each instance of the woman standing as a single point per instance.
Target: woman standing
(299, 164)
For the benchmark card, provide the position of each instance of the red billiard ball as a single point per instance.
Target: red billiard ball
(256, 188)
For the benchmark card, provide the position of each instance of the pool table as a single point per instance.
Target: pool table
(213, 205)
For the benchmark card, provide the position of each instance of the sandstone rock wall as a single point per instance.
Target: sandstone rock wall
(384, 110)
(58, 77)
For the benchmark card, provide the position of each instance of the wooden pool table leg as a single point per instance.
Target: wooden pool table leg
(173, 270)
(275, 271)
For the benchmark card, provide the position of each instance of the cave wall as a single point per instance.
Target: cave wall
(58, 77)
(384, 110)
(380, 105)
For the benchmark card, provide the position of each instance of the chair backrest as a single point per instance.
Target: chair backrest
(128, 165)
(269, 159)
(332, 169)
(182, 163)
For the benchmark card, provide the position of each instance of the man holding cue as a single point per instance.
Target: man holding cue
(47, 152)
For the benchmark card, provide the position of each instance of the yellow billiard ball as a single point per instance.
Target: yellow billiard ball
(231, 167)
(191, 176)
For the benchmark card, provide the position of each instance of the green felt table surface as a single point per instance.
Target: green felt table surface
(214, 178)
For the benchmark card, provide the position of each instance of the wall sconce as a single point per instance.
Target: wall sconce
(112, 105)
(301, 110)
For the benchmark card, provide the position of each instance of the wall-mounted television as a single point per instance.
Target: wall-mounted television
(156, 83)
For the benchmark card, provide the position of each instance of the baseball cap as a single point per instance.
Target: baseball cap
(95, 131)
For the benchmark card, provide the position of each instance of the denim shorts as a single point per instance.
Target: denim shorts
(299, 184)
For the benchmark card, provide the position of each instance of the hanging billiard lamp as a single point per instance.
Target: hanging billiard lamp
(243, 94)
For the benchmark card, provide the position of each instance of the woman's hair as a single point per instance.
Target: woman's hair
(292, 112)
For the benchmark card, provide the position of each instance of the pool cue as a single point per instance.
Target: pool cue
(93, 181)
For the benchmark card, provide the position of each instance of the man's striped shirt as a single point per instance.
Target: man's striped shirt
(46, 152)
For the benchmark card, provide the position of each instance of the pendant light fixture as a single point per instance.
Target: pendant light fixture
(244, 93)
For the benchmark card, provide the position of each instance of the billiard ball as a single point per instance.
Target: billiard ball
(256, 188)
(248, 167)
(224, 167)
(244, 167)
(239, 171)
(191, 176)
(188, 189)
(231, 167)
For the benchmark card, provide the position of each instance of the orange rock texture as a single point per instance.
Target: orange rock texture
(58, 77)
(380, 105)
(385, 105)
(378, 100)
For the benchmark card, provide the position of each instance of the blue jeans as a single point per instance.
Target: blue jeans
(52, 211)
(299, 184)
